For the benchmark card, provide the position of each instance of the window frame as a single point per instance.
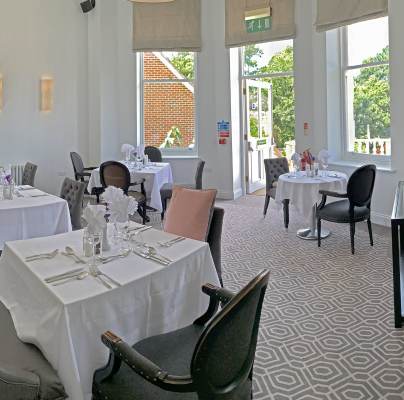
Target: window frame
(351, 156)
(168, 152)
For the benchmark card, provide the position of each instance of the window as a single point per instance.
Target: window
(168, 101)
(271, 63)
(365, 65)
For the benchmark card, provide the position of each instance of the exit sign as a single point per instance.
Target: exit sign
(259, 24)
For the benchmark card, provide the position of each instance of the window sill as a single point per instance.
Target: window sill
(180, 157)
(353, 164)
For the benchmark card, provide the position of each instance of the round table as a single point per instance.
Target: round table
(303, 193)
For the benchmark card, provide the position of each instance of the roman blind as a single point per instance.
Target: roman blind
(172, 26)
(335, 13)
(242, 29)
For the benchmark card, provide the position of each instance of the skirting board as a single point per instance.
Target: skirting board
(380, 219)
(223, 195)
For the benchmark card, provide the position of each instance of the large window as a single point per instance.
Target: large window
(365, 64)
(272, 63)
(168, 101)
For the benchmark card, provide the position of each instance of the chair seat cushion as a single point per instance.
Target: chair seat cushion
(339, 212)
(139, 197)
(172, 352)
(18, 356)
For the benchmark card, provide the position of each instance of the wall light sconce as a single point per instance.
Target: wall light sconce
(47, 84)
(1, 92)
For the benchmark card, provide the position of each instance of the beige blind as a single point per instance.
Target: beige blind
(174, 26)
(335, 13)
(283, 21)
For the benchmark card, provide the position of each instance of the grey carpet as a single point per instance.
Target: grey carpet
(327, 328)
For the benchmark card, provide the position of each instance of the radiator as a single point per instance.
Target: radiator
(16, 172)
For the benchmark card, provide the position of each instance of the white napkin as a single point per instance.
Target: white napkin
(120, 206)
(296, 158)
(127, 149)
(323, 156)
(95, 217)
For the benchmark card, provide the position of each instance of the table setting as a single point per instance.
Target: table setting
(302, 185)
(138, 282)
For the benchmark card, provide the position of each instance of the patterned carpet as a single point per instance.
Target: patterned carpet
(327, 327)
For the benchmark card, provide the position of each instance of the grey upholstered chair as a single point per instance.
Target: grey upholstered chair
(167, 190)
(153, 153)
(73, 192)
(215, 239)
(28, 175)
(274, 168)
(355, 207)
(114, 173)
(212, 359)
(25, 374)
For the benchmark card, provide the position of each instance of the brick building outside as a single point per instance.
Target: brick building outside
(166, 105)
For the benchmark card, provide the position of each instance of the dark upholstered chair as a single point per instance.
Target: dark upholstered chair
(215, 239)
(73, 192)
(25, 374)
(167, 190)
(274, 168)
(212, 359)
(114, 173)
(153, 153)
(28, 175)
(355, 207)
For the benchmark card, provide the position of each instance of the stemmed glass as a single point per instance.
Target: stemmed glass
(325, 166)
(94, 239)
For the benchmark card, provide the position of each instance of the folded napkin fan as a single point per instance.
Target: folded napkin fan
(119, 205)
(95, 218)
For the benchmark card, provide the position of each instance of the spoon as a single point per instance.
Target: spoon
(35, 257)
(69, 251)
(78, 277)
(105, 260)
(153, 252)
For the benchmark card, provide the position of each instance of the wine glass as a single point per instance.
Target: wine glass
(325, 166)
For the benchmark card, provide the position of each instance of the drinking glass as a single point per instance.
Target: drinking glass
(121, 229)
(94, 239)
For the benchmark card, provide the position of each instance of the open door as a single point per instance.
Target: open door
(258, 132)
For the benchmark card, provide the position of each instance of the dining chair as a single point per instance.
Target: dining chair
(114, 173)
(73, 192)
(28, 175)
(274, 168)
(215, 239)
(356, 206)
(166, 191)
(212, 359)
(153, 153)
(25, 374)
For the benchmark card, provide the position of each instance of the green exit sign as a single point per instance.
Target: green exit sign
(259, 24)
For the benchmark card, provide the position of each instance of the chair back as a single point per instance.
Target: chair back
(114, 173)
(224, 355)
(215, 239)
(28, 175)
(153, 153)
(360, 186)
(274, 168)
(199, 175)
(78, 166)
(73, 192)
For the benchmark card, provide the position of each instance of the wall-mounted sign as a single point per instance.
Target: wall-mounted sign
(259, 20)
(223, 131)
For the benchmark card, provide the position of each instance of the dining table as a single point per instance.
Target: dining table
(156, 174)
(303, 193)
(32, 213)
(65, 321)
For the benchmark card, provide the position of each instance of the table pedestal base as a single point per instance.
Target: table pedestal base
(311, 234)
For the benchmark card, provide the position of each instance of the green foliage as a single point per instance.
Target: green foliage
(372, 98)
(184, 64)
(254, 127)
(251, 53)
(173, 138)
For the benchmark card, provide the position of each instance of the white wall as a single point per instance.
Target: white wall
(43, 37)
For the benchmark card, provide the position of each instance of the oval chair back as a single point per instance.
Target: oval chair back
(114, 173)
(274, 168)
(223, 359)
(199, 175)
(78, 165)
(28, 175)
(153, 153)
(360, 185)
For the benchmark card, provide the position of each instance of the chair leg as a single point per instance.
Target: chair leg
(370, 232)
(164, 205)
(267, 198)
(352, 229)
(319, 232)
(286, 213)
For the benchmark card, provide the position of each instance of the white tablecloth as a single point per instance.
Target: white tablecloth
(66, 321)
(303, 192)
(156, 175)
(29, 217)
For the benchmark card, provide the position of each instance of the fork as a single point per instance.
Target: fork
(171, 242)
(96, 274)
(42, 256)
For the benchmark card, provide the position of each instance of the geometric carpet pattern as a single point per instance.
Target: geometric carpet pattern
(327, 330)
